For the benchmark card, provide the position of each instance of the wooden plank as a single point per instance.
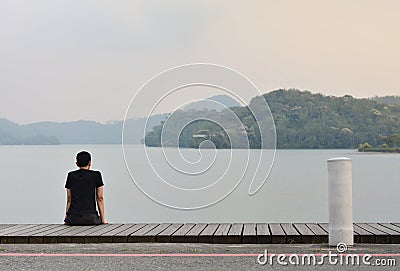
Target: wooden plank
(142, 231)
(249, 233)
(383, 229)
(362, 236)
(303, 229)
(65, 230)
(19, 235)
(104, 230)
(321, 236)
(192, 235)
(292, 235)
(15, 228)
(38, 229)
(25, 237)
(131, 229)
(263, 234)
(150, 236)
(66, 237)
(122, 237)
(4, 226)
(107, 237)
(118, 230)
(197, 229)
(139, 235)
(90, 230)
(180, 235)
(158, 229)
(324, 226)
(393, 234)
(391, 226)
(235, 234)
(165, 235)
(396, 224)
(278, 236)
(51, 237)
(80, 237)
(52, 230)
(206, 235)
(94, 237)
(307, 235)
(316, 229)
(38, 238)
(23, 231)
(380, 237)
(221, 233)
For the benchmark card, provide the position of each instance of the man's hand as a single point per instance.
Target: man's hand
(104, 221)
(65, 223)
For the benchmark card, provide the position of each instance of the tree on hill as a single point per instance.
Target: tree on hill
(393, 140)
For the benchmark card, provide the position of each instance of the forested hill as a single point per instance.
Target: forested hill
(390, 100)
(307, 120)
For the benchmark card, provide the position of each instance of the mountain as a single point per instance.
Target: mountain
(217, 102)
(10, 134)
(304, 120)
(76, 132)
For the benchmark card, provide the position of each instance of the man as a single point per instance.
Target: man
(84, 189)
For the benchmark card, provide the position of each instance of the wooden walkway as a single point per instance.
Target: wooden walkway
(220, 233)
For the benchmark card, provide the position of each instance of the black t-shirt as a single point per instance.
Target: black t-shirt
(83, 184)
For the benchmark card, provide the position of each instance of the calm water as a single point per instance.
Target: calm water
(33, 177)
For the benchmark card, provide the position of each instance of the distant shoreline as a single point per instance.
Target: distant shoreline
(380, 150)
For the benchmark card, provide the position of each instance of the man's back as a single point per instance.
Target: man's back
(84, 190)
(83, 184)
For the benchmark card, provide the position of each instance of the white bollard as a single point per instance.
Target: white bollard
(340, 201)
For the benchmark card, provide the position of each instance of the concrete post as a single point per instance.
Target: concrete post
(340, 201)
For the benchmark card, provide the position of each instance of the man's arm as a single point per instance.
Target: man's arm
(100, 203)
(68, 201)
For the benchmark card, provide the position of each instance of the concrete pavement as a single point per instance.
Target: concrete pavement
(157, 256)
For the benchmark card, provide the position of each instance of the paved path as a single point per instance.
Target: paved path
(158, 256)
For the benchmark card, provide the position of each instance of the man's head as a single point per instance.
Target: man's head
(83, 159)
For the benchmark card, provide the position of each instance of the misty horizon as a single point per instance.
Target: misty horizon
(111, 121)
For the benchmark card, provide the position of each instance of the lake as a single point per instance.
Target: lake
(33, 178)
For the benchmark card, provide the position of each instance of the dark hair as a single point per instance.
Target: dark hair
(83, 158)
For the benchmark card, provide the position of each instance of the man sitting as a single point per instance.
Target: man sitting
(84, 189)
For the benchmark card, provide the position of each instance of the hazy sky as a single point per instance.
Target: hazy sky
(70, 60)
